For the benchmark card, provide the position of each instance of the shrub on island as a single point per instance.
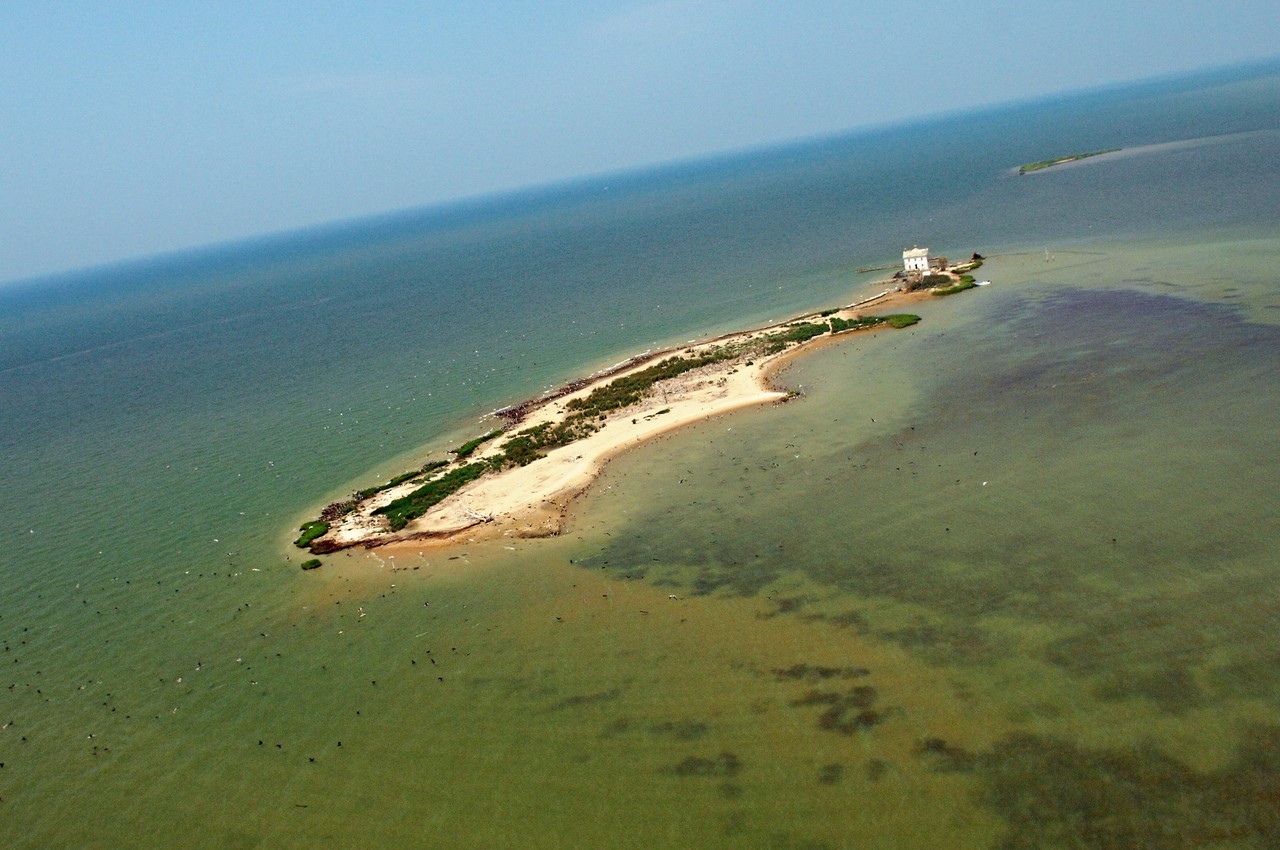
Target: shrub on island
(310, 531)
(792, 334)
(337, 510)
(839, 325)
(629, 389)
(526, 446)
(893, 320)
(400, 511)
(532, 443)
(470, 446)
(311, 563)
(431, 466)
(800, 332)
(966, 282)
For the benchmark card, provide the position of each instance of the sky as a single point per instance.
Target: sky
(134, 128)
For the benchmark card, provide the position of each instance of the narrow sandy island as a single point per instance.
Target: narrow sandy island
(519, 479)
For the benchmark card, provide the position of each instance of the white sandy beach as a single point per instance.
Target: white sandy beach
(532, 500)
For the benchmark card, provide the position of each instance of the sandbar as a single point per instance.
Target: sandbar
(533, 500)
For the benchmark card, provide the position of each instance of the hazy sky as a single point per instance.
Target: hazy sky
(130, 128)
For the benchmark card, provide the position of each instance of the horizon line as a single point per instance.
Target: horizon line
(559, 186)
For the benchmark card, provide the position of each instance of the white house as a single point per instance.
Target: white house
(916, 260)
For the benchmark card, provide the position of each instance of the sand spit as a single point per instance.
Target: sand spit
(533, 500)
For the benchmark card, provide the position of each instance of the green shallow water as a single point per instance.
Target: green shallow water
(1072, 516)
(899, 619)
(1003, 579)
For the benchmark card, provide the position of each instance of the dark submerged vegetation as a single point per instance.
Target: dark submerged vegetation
(845, 713)
(724, 765)
(1053, 793)
(805, 672)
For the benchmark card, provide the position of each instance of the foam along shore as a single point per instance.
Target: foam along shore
(518, 481)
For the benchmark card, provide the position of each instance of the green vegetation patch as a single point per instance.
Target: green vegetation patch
(799, 332)
(792, 334)
(966, 282)
(532, 443)
(311, 564)
(839, 325)
(1063, 160)
(400, 511)
(629, 389)
(430, 467)
(310, 531)
(470, 446)
(524, 447)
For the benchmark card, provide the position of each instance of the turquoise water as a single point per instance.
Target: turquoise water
(1013, 565)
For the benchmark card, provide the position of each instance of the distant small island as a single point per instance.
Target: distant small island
(1050, 163)
(517, 480)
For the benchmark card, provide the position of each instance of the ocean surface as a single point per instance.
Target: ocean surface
(1006, 579)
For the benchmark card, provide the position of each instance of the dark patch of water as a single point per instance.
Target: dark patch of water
(1128, 456)
(1053, 793)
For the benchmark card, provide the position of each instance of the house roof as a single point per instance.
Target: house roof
(915, 252)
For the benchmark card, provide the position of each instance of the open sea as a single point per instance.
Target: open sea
(1007, 579)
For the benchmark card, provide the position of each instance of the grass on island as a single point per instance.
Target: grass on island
(966, 282)
(838, 325)
(1050, 163)
(584, 417)
(470, 446)
(361, 495)
(400, 511)
(533, 443)
(337, 510)
(311, 564)
(793, 334)
(629, 389)
(310, 531)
